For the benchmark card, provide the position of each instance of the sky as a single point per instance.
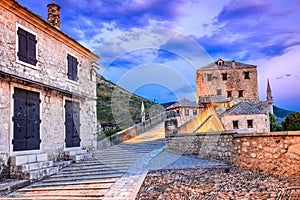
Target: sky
(154, 47)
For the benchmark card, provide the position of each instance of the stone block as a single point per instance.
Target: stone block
(41, 157)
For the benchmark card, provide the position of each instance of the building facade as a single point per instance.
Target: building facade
(231, 89)
(230, 79)
(47, 86)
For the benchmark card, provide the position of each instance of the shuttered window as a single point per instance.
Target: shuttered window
(26, 47)
(72, 68)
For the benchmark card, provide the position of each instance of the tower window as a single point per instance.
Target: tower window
(219, 92)
(229, 94)
(209, 77)
(250, 123)
(241, 93)
(186, 112)
(247, 75)
(224, 76)
(235, 124)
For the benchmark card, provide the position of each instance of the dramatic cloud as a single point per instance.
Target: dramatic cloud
(187, 34)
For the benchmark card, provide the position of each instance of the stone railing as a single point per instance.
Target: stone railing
(275, 153)
(132, 132)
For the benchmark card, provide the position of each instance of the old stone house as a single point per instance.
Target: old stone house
(186, 108)
(47, 92)
(247, 117)
(231, 88)
(234, 80)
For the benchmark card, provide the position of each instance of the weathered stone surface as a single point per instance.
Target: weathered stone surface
(275, 153)
(213, 183)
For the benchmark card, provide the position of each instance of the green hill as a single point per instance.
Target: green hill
(111, 97)
(280, 112)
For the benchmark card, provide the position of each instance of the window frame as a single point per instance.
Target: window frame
(229, 92)
(241, 93)
(186, 112)
(247, 75)
(67, 68)
(209, 77)
(224, 76)
(250, 123)
(195, 112)
(235, 124)
(17, 46)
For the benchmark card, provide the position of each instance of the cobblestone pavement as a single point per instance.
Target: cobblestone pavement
(190, 177)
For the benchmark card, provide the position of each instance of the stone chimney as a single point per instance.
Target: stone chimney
(233, 64)
(54, 15)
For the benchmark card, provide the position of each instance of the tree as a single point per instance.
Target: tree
(292, 122)
(274, 127)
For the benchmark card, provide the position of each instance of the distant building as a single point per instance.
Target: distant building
(251, 116)
(229, 79)
(186, 108)
(231, 89)
(47, 91)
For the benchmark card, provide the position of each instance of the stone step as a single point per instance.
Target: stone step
(65, 188)
(92, 168)
(53, 198)
(24, 159)
(32, 166)
(112, 161)
(75, 152)
(108, 181)
(81, 157)
(39, 173)
(66, 195)
(87, 177)
(78, 174)
(132, 160)
(83, 170)
(62, 164)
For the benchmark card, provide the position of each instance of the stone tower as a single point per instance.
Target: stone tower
(54, 15)
(269, 98)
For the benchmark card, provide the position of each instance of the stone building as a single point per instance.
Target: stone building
(47, 92)
(231, 89)
(234, 80)
(247, 117)
(186, 108)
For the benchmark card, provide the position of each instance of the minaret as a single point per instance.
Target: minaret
(143, 114)
(269, 98)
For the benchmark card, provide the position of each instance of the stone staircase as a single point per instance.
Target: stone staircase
(33, 167)
(78, 155)
(96, 178)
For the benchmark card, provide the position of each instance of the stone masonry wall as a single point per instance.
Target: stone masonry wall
(274, 153)
(208, 145)
(51, 67)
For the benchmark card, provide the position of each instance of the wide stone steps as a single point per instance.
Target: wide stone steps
(76, 183)
(93, 177)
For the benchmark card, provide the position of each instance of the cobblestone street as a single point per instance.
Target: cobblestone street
(216, 183)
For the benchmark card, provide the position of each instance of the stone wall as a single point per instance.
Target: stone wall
(131, 132)
(274, 153)
(209, 145)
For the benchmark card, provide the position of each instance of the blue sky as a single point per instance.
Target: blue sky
(153, 47)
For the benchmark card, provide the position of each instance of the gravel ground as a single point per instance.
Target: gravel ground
(211, 180)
